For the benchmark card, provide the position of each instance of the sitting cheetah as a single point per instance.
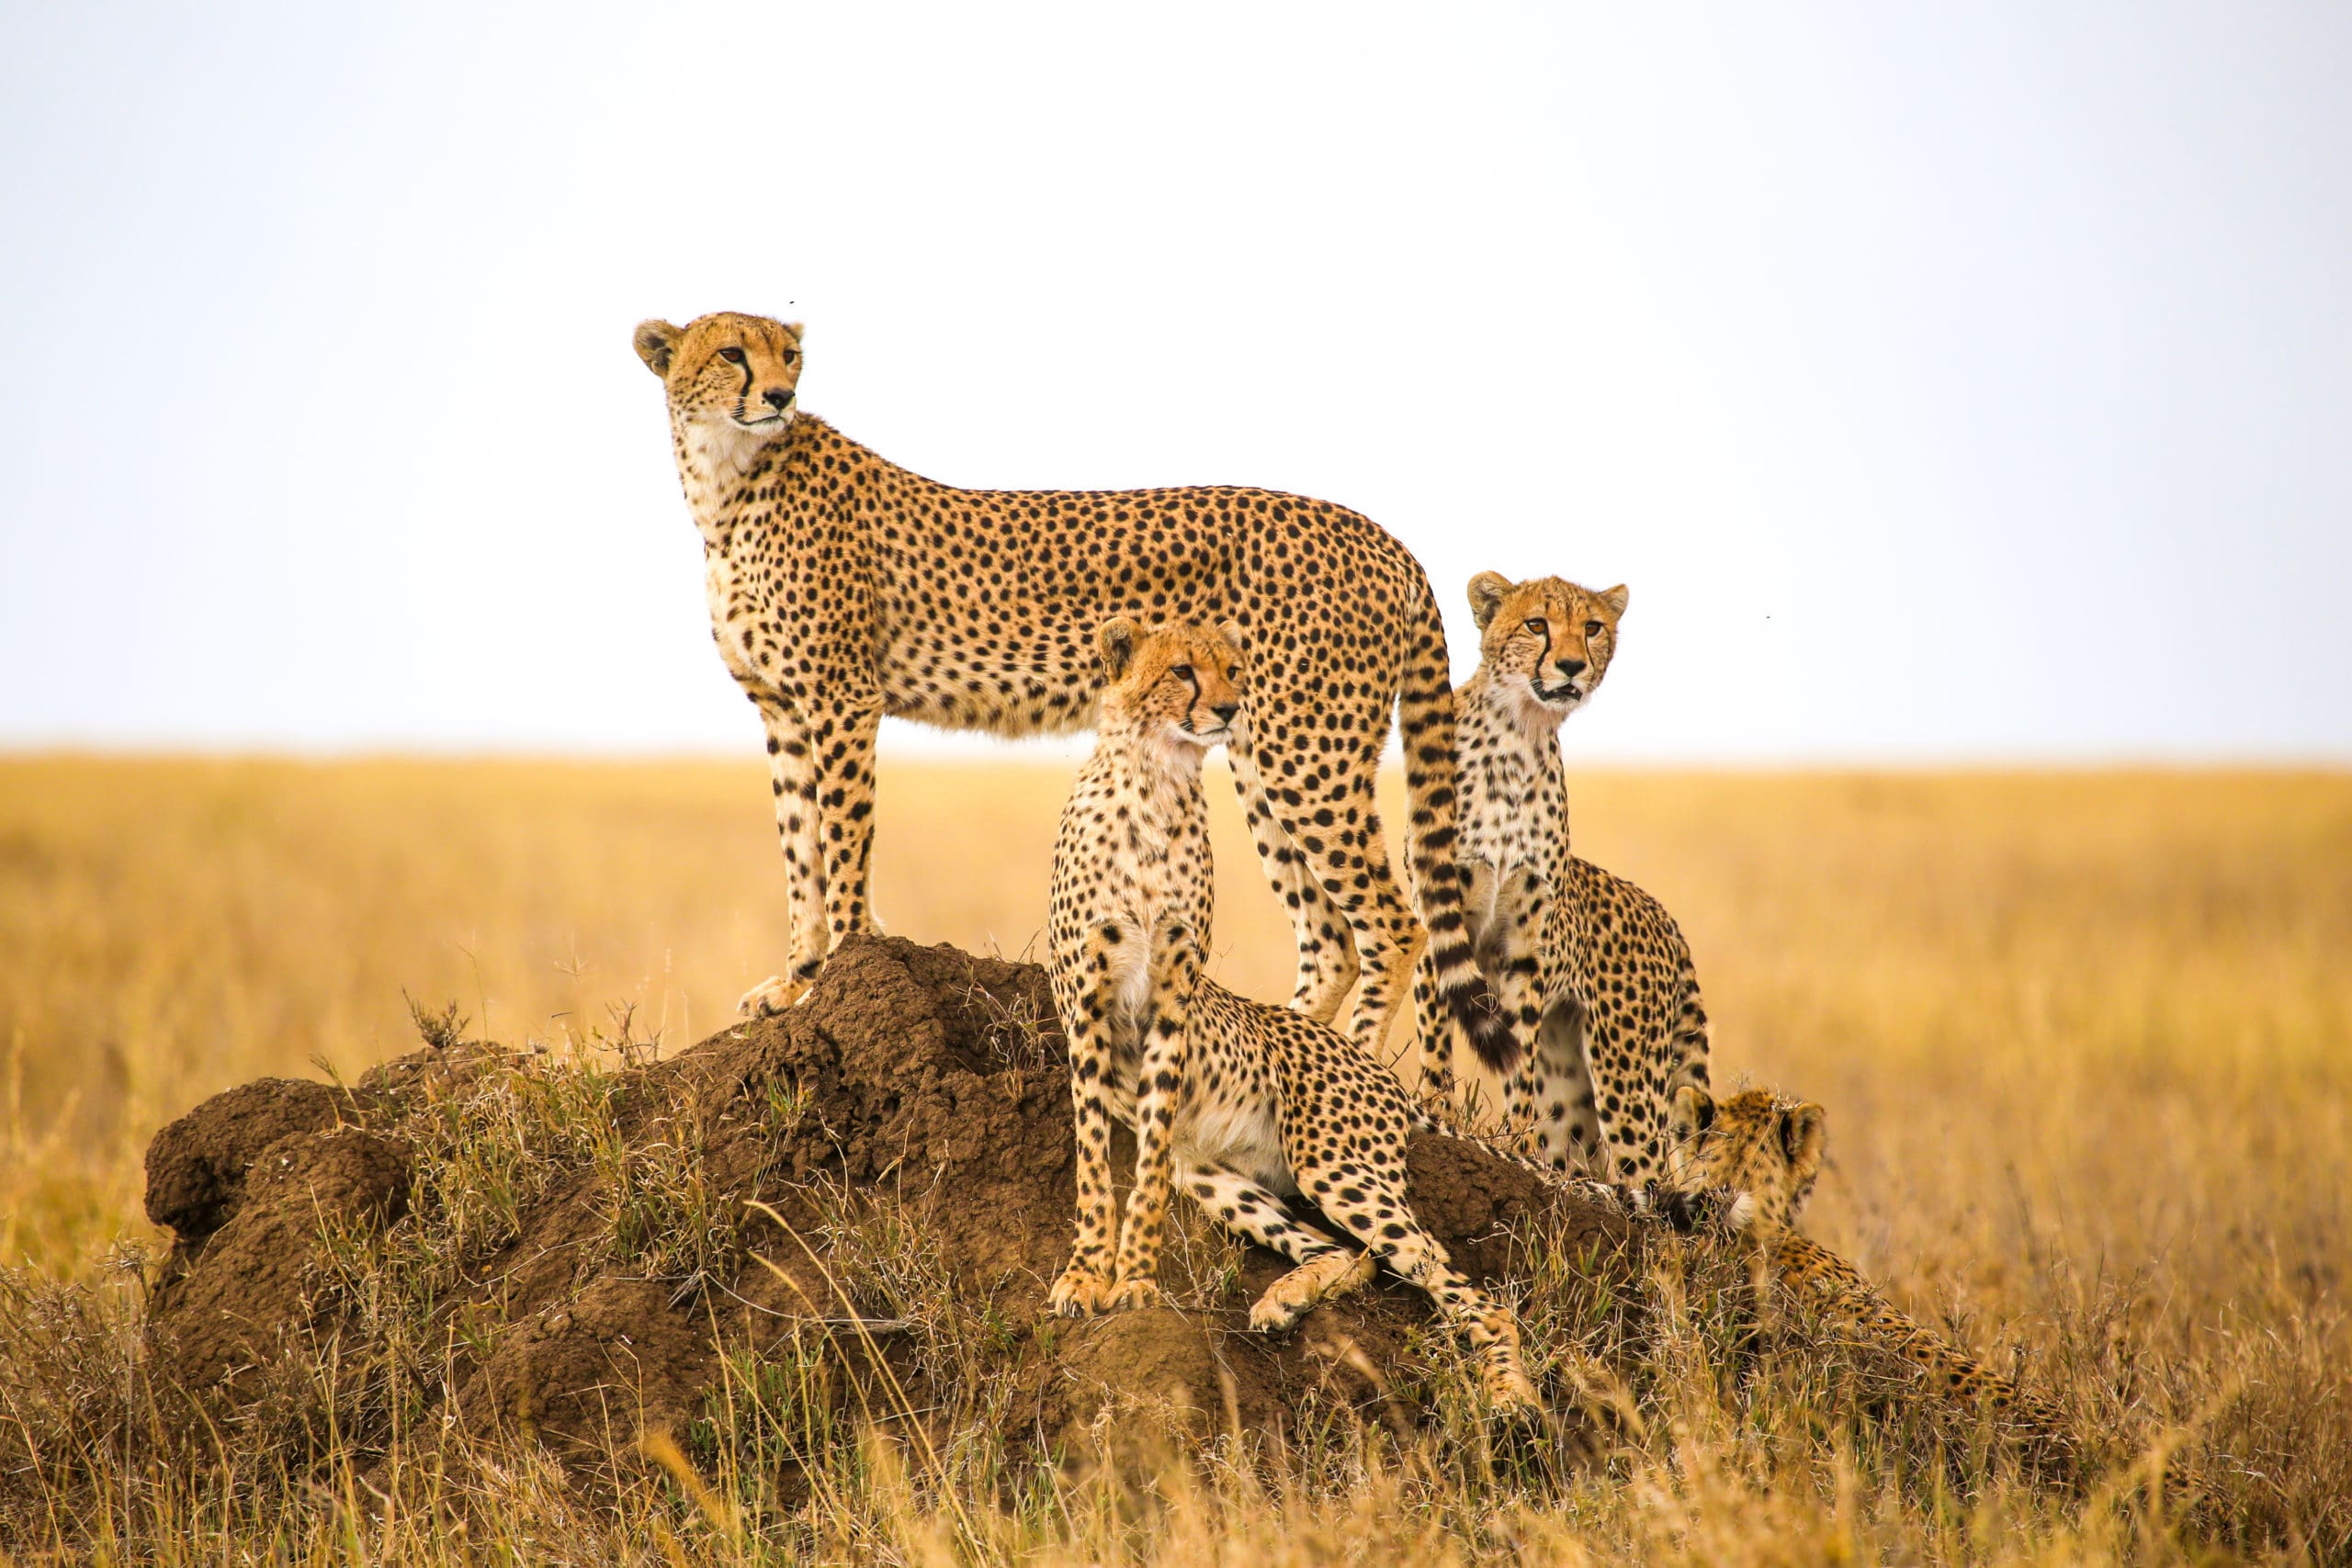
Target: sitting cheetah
(1769, 1149)
(842, 587)
(1238, 1103)
(1593, 973)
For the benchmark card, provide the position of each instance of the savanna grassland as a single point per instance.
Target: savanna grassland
(2083, 1039)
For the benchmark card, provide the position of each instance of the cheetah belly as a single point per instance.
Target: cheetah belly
(1240, 1136)
(1026, 690)
(1229, 1116)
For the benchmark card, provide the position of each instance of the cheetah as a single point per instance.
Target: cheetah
(1769, 1148)
(1238, 1103)
(842, 587)
(1594, 975)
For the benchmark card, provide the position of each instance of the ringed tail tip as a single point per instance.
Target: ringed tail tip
(1481, 1017)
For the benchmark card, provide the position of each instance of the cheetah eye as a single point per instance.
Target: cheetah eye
(1592, 628)
(792, 356)
(732, 355)
(1535, 623)
(1181, 672)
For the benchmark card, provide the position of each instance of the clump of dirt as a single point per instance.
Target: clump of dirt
(233, 1297)
(581, 1259)
(197, 1167)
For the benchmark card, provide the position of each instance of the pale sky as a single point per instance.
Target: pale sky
(1966, 383)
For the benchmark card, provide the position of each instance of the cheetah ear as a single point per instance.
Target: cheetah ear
(1804, 1132)
(1117, 643)
(1615, 599)
(1694, 1112)
(1231, 632)
(656, 342)
(799, 333)
(1486, 591)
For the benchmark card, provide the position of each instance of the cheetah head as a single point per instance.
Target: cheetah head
(1754, 1141)
(741, 371)
(1180, 683)
(1545, 642)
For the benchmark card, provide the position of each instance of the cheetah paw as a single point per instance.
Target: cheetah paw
(1278, 1310)
(1080, 1293)
(772, 994)
(1133, 1294)
(1297, 1294)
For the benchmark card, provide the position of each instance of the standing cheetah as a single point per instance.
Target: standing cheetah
(1238, 1103)
(1769, 1149)
(1593, 973)
(842, 587)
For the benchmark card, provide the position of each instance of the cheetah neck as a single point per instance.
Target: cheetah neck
(1508, 713)
(1166, 772)
(714, 456)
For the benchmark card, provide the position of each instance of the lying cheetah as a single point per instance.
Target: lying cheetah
(1238, 1103)
(1593, 973)
(1769, 1149)
(842, 587)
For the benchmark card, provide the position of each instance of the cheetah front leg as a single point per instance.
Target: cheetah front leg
(792, 777)
(840, 743)
(1086, 994)
(1175, 975)
(1514, 906)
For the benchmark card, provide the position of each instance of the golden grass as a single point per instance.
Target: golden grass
(2083, 1037)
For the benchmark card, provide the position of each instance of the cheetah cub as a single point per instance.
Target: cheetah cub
(1769, 1148)
(1239, 1104)
(1595, 978)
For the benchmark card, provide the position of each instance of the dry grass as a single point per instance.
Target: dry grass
(2082, 1039)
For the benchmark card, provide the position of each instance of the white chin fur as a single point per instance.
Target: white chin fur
(1537, 715)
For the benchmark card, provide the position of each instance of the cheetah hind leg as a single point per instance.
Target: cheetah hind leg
(1552, 1098)
(1326, 952)
(1324, 1269)
(1377, 1214)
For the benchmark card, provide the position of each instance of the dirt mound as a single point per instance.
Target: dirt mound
(575, 1248)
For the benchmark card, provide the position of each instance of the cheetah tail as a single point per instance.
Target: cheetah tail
(1425, 727)
(1692, 1032)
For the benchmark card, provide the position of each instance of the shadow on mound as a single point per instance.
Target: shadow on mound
(478, 1241)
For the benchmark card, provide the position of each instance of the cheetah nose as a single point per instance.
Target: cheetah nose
(777, 396)
(1571, 666)
(1225, 711)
